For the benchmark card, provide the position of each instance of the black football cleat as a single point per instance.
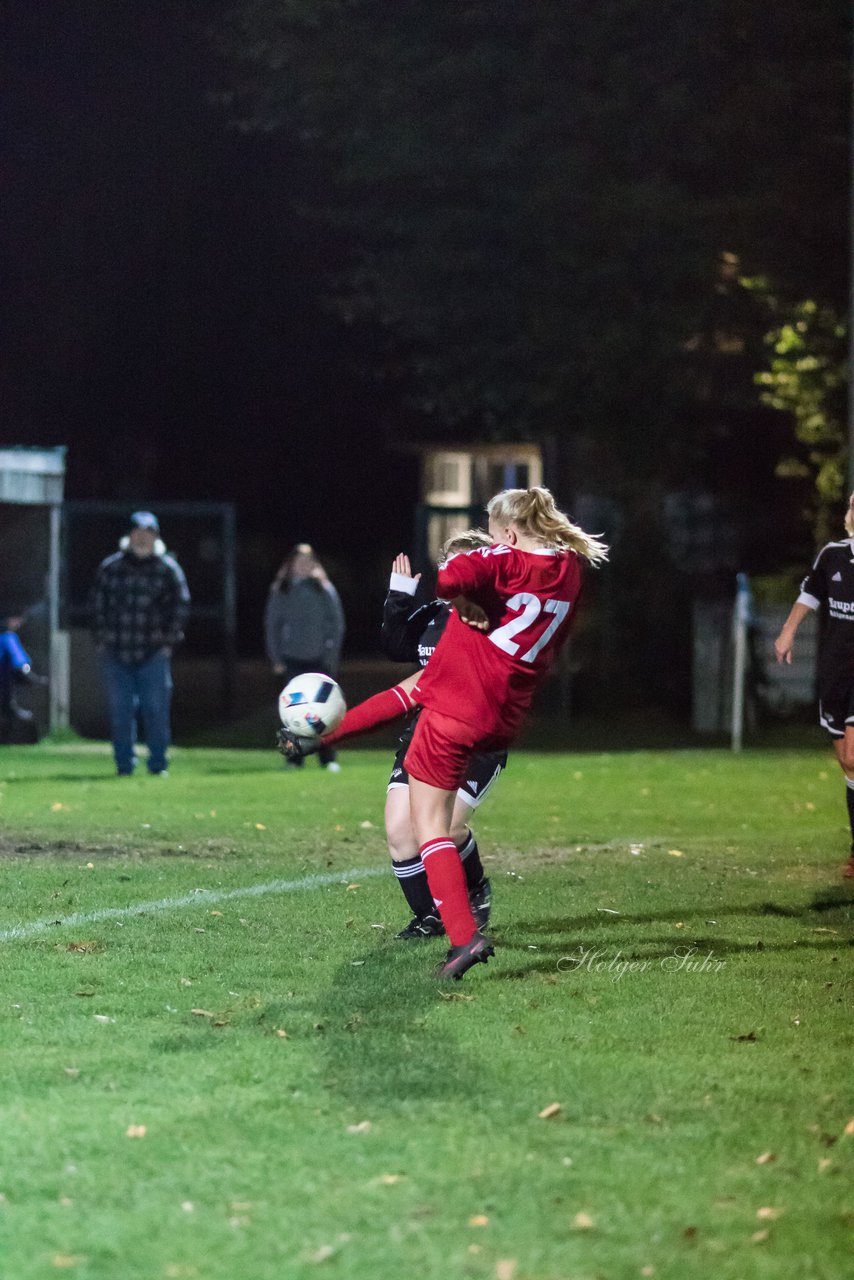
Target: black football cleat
(480, 901)
(292, 747)
(422, 927)
(460, 959)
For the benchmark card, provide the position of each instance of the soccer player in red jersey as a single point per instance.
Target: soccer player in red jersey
(481, 680)
(513, 607)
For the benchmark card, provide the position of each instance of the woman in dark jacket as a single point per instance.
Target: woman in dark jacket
(304, 625)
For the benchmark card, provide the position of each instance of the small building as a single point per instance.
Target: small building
(458, 480)
(32, 483)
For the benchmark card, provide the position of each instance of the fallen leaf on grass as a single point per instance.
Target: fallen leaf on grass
(766, 1158)
(547, 1112)
(88, 944)
(135, 1131)
(66, 1259)
(259, 826)
(72, 1071)
(767, 1214)
(505, 1269)
(325, 1252)
(366, 826)
(759, 1237)
(848, 1131)
(582, 1222)
(351, 888)
(281, 1033)
(390, 1179)
(57, 806)
(202, 1013)
(648, 1270)
(478, 1220)
(675, 853)
(364, 1126)
(826, 931)
(454, 995)
(824, 1163)
(102, 1017)
(216, 913)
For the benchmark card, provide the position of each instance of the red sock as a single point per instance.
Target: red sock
(369, 714)
(447, 882)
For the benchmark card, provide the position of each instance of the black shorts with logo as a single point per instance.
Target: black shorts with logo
(836, 706)
(484, 768)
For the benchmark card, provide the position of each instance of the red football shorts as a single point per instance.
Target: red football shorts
(441, 748)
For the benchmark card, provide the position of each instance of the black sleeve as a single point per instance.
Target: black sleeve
(814, 585)
(403, 626)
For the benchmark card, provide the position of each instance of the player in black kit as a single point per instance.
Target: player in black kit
(829, 588)
(410, 635)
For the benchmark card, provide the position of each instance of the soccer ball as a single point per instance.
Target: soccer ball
(311, 705)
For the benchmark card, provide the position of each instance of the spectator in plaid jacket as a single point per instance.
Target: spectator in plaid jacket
(140, 604)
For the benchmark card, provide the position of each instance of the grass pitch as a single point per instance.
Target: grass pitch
(218, 1063)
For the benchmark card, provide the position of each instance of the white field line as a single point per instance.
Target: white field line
(196, 897)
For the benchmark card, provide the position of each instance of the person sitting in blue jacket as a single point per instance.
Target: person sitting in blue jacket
(15, 669)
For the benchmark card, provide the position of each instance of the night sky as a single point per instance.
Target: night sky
(161, 316)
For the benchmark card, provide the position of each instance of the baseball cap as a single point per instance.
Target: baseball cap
(144, 520)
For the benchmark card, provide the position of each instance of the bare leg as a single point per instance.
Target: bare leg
(432, 810)
(402, 844)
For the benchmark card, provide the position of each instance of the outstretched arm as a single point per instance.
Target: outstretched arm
(403, 625)
(784, 643)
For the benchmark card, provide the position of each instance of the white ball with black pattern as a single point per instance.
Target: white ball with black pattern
(311, 705)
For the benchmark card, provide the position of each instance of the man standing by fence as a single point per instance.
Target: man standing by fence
(140, 606)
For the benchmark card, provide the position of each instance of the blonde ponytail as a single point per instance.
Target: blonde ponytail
(534, 513)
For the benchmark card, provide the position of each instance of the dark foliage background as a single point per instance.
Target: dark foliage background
(251, 249)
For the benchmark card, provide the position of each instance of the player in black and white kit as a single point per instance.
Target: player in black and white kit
(410, 635)
(829, 588)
